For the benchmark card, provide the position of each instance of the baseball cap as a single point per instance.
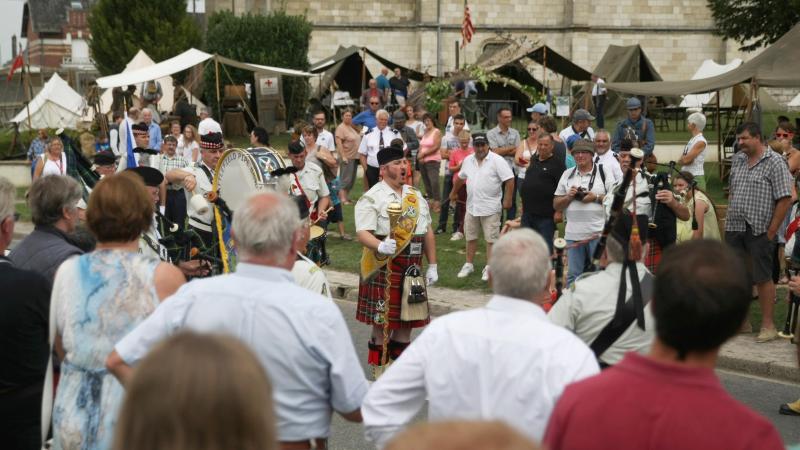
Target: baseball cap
(479, 138)
(581, 114)
(540, 108)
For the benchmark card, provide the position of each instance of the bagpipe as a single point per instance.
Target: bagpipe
(617, 207)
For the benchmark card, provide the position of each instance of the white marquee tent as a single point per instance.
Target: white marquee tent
(795, 102)
(57, 105)
(709, 68)
(140, 60)
(185, 60)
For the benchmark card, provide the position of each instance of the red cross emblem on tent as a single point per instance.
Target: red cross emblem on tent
(269, 82)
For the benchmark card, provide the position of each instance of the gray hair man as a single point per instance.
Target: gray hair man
(374, 141)
(605, 157)
(24, 314)
(468, 364)
(261, 305)
(53, 202)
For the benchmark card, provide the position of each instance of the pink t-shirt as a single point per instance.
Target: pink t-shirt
(457, 156)
(425, 144)
(642, 403)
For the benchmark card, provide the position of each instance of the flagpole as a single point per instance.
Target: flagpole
(28, 88)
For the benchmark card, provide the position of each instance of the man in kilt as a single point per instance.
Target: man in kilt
(404, 247)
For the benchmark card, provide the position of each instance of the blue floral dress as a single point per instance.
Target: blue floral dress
(98, 298)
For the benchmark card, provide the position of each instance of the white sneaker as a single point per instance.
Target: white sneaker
(457, 236)
(466, 269)
(485, 274)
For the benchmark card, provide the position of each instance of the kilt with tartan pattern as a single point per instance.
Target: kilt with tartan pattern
(371, 291)
(653, 257)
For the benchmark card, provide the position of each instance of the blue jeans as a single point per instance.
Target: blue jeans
(543, 225)
(578, 257)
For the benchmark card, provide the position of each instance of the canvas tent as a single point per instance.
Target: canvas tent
(345, 68)
(142, 59)
(732, 97)
(777, 66)
(57, 105)
(623, 64)
(185, 60)
(498, 60)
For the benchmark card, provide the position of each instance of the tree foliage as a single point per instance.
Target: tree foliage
(161, 28)
(754, 23)
(277, 39)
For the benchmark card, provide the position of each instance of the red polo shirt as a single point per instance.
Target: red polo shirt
(643, 404)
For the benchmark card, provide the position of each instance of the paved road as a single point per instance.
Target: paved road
(760, 394)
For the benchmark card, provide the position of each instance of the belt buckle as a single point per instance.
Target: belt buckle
(415, 248)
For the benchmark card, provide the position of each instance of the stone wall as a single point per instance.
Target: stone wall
(675, 34)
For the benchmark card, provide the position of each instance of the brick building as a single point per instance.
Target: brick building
(57, 32)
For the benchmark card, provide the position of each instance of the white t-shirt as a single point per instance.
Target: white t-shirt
(186, 150)
(696, 167)
(583, 219)
(485, 183)
(569, 131)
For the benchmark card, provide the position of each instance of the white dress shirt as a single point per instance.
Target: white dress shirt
(599, 88)
(590, 306)
(504, 361)
(299, 337)
(611, 166)
(485, 183)
(371, 143)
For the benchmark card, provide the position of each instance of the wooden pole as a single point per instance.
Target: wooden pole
(544, 71)
(456, 56)
(219, 102)
(26, 79)
(363, 68)
(719, 139)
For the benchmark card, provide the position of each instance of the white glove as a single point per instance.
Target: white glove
(387, 247)
(432, 275)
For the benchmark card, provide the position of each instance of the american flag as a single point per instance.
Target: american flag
(467, 29)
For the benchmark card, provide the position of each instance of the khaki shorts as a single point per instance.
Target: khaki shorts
(489, 224)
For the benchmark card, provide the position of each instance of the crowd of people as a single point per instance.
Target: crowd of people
(128, 342)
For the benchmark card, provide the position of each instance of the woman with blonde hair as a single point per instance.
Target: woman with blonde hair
(189, 144)
(700, 206)
(97, 299)
(198, 392)
(54, 160)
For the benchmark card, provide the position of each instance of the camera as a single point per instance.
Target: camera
(581, 194)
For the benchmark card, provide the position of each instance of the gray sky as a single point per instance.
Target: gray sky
(10, 24)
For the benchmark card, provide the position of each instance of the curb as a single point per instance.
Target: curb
(775, 360)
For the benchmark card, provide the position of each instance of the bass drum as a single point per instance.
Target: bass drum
(242, 172)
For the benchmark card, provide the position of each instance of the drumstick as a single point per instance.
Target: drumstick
(320, 218)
